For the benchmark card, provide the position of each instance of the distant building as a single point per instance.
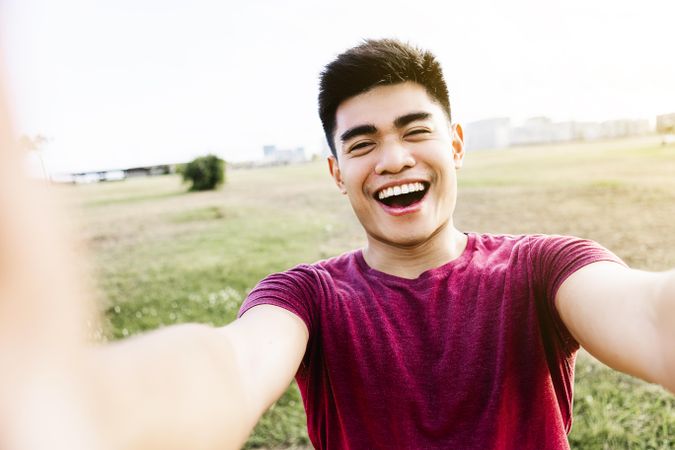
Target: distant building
(536, 130)
(277, 156)
(624, 128)
(488, 133)
(586, 131)
(113, 175)
(665, 123)
(563, 131)
(499, 133)
(269, 151)
(147, 171)
(86, 178)
(92, 177)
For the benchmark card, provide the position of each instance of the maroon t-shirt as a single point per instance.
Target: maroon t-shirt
(469, 355)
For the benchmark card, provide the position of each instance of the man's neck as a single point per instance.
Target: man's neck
(409, 262)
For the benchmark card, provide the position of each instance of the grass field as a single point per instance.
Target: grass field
(162, 256)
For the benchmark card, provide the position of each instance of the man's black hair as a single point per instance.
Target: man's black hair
(377, 63)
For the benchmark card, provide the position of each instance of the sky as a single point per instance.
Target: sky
(117, 84)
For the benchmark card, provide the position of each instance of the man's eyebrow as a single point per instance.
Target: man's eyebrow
(357, 130)
(402, 121)
(399, 122)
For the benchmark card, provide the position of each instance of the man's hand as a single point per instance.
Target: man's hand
(42, 316)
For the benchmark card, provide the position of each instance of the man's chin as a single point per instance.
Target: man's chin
(403, 240)
(407, 237)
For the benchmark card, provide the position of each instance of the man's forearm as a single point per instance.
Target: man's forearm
(175, 388)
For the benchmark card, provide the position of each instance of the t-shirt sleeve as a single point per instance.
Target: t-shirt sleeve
(293, 290)
(553, 259)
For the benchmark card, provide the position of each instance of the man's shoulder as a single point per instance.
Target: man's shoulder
(526, 248)
(339, 265)
(336, 266)
(490, 241)
(301, 287)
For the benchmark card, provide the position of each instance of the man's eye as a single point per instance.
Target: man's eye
(417, 131)
(360, 145)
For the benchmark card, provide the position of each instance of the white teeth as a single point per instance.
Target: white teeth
(401, 189)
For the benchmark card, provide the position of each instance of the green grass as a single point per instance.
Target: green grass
(162, 256)
(614, 411)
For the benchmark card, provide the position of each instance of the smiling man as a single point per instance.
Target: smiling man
(429, 337)
(434, 338)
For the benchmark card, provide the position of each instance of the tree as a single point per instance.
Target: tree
(34, 144)
(205, 173)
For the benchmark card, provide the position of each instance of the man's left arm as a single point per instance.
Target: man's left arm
(623, 317)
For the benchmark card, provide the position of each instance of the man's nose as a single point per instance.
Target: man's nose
(394, 157)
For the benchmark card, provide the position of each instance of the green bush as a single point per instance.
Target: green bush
(204, 173)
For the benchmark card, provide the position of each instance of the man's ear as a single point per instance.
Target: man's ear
(457, 145)
(334, 169)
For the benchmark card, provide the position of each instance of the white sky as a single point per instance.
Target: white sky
(119, 83)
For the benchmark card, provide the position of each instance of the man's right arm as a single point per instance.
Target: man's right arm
(181, 387)
(194, 386)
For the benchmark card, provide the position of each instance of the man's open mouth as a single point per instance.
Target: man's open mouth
(402, 195)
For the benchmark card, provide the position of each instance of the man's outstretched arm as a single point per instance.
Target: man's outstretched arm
(194, 386)
(623, 317)
(182, 387)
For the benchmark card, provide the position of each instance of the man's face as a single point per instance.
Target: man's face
(397, 157)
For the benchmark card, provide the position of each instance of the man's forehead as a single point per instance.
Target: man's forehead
(382, 105)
